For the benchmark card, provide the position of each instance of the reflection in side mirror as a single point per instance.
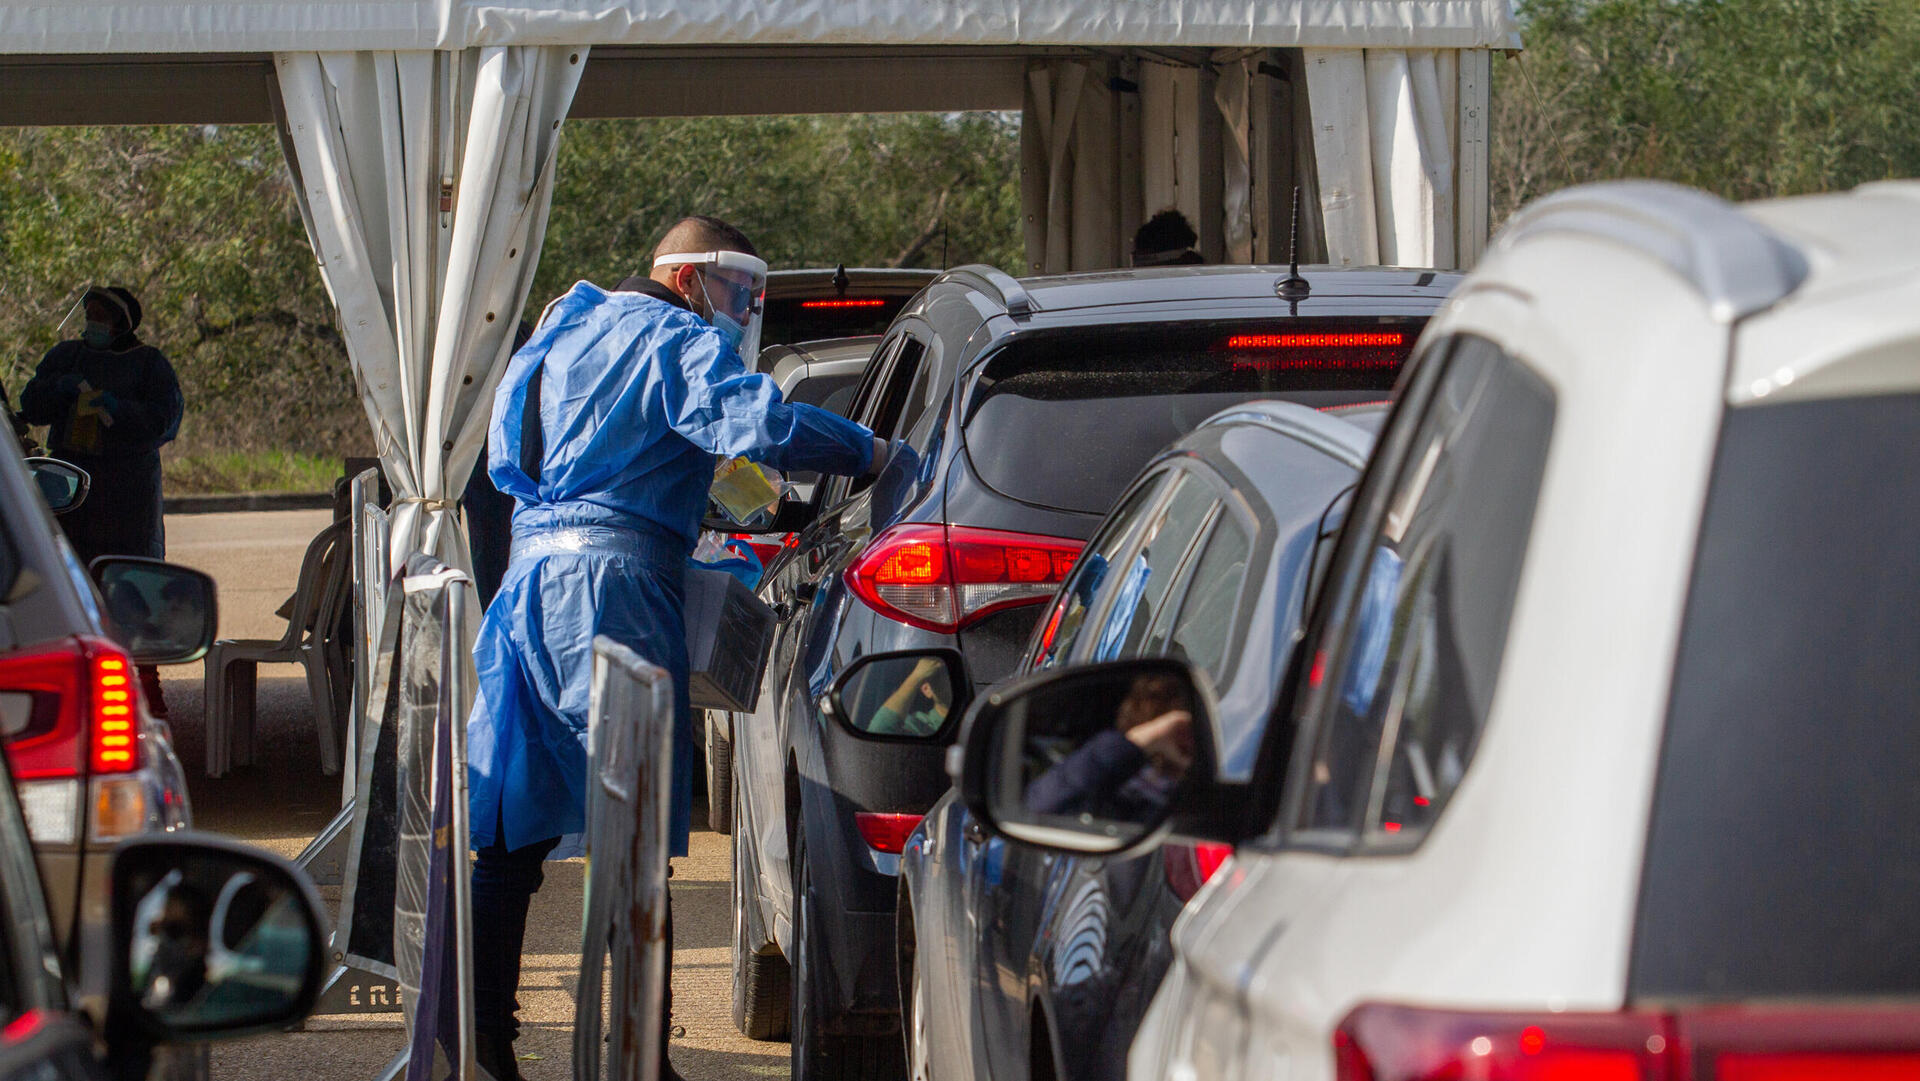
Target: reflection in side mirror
(214, 939)
(900, 696)
(1089, 758)
(62, 484)
(162, 613)
(791, 516)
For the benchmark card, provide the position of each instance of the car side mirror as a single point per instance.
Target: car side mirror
(1093, 758)
(914, 696)
(162, 613)
(213, 939)
(62, 484)
(791, 516)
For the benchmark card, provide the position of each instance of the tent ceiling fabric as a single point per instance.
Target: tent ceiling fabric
(227, 26)
(425, 179)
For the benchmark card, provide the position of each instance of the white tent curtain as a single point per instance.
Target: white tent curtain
(1385, 130)
(1069, 175)
(425, 179)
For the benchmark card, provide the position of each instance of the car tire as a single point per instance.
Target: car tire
(761, 982)
(913, 1023)
(817, 1056)
(719, 780)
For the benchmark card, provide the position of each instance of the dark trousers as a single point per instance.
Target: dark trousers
(504, 882)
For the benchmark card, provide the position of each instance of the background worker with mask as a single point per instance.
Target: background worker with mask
(605, 430)
(113, 402)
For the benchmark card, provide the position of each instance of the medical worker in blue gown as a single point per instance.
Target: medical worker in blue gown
(605, 432)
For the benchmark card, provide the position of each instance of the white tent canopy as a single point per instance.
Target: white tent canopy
(229, 26)
(422, 134)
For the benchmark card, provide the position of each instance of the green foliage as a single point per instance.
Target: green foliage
(250, 471)
(201, 224)
(1745, 98)
(810, 191)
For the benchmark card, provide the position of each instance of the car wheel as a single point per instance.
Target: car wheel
(719, 780)
(817, 1056)
(919, 1046)
(761, 982)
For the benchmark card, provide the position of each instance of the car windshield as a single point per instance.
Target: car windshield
(1068, 420)
(1781, 856)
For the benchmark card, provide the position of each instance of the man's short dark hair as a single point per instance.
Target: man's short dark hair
(702, 232)
(1166, 239)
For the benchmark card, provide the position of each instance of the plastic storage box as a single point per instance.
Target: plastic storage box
(729, 631)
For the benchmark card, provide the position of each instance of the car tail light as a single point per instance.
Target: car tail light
(82, 721)
(1335, 350)
(943, 577)
(1720, 1043)
(885, 832)
(766, 550)
(1189, 867)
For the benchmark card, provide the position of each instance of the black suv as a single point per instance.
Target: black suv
(1021, 409)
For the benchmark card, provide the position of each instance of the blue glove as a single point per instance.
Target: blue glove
(108, 402)
(69, 385)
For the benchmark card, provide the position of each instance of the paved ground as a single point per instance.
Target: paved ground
(282, 801)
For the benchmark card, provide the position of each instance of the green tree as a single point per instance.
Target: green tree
(1745, 98)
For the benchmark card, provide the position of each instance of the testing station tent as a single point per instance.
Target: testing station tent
(422, 135)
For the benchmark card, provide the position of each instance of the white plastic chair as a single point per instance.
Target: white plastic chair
(312, 640)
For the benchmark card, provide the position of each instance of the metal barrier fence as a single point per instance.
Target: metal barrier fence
(402, 942)
(630, 735)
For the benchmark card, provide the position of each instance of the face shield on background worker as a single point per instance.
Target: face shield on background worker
(732, 286)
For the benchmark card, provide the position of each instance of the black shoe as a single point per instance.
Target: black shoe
(497, 1059)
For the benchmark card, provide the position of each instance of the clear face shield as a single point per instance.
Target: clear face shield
(733, 285)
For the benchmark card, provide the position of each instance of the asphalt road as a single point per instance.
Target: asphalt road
(282, 800)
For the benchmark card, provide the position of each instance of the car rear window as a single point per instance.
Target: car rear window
(810, 319)
(1067, 420)
(1783, 857)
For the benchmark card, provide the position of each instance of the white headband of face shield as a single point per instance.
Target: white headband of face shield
(738, 317)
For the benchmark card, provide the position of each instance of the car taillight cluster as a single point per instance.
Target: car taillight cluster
(1401, 1043)
(943, 577)
(84, 712)
(81, 721)
(1190, 867)
(886, 832)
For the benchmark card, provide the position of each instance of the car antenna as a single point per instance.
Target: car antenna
(840, 279)
(1293, 287)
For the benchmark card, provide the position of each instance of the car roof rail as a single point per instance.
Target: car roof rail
(1325, 432)
(1012, 294)
(1737, 265)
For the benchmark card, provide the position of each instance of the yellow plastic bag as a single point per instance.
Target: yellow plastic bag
(744, 489)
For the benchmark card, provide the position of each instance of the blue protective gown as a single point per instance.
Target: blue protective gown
(637, 398)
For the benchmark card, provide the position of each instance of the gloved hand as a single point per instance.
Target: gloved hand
(107, 403)
(69, 385)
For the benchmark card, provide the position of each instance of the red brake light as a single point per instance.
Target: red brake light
(1343, 350)
(885, 832)
(85, 715)
(1190, 867)
(848, 302)
(942, 578)
(1727, 1043)
(1345, 340)
(766, 550)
